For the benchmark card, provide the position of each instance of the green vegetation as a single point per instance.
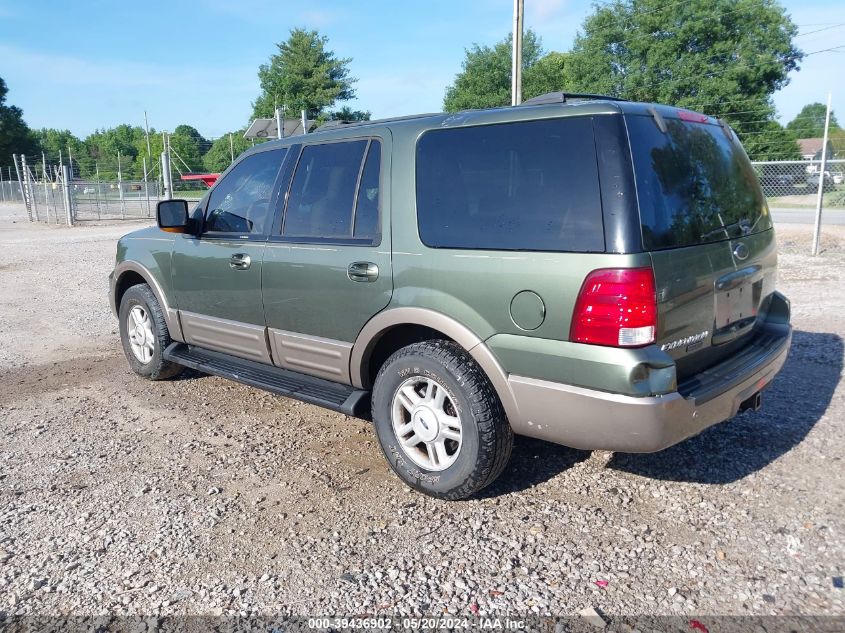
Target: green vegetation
(809, 123)
(303, 75)
(485, 78)
(722, 57)
(15, 136)
(219, 156)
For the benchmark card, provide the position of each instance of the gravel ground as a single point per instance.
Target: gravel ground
(202, 496)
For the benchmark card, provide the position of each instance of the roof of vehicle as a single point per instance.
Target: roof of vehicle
(548, 106)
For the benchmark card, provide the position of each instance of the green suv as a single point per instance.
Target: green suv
(588, 271)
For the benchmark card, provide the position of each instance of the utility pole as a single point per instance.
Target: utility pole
(818, 228)
(120, 187)
(279, 121)
(147, 130)
(516, 58)
(146, 186)
(231, 149)
(304, 123)
(46, 188)
(20, 186)
(165, 174)
(66, 195)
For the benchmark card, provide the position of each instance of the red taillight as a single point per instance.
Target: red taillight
(617, 307)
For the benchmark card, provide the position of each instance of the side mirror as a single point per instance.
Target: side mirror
(172, 216)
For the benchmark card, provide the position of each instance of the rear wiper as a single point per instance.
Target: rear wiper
(742, 224)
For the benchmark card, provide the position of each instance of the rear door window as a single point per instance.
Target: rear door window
(530, 185)
(322, 195)
(367, 202)
(694, 183)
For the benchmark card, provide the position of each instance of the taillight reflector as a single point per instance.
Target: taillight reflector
(616, 307)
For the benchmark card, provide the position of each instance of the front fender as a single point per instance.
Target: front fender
(146, 255)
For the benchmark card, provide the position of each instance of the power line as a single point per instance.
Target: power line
(827, 28)
(710, 75)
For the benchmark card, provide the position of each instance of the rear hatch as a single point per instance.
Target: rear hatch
(707, 228)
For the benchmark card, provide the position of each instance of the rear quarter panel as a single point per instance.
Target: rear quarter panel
(476, 288)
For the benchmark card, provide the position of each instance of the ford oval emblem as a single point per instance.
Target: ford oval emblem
(740, 251)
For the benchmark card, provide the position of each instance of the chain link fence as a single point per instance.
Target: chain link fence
(795, 184)
(54, 191)
(41, 187)
(93, 200)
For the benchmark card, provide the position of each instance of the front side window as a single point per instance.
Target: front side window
(323, 191)
(240, 203)
(529, 185)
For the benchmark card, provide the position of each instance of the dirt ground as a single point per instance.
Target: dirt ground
(202, 496)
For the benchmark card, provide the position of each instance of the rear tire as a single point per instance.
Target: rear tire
(144, 334)
(439, 421)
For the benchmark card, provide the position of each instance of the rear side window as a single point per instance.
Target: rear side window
(323, 191)
(240, 202)
(517, 186)
(695, 185)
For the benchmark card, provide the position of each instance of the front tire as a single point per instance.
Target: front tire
(144, 334)
(439, 421)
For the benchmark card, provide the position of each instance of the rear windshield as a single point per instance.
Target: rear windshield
(531, 185)
(695, 185)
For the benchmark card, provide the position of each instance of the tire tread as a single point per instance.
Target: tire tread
(494, 431)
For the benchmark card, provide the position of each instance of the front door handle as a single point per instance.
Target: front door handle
(239, 261)
(362, 271)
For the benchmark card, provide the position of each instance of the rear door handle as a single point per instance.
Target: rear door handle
(239, 261)
(362, 271)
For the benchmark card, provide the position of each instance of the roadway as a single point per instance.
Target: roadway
(805, 215)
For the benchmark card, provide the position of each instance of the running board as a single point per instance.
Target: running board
(331, 395)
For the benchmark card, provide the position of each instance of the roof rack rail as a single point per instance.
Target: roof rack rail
(338, 123)
(563, 97)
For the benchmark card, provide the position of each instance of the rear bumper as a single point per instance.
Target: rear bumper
(590, 419)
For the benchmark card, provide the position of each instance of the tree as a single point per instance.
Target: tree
(348, 114)
(721, 57)
(52, 141)
(303, 75)
(219, 157)
(809, 123)
(190, 146)
(485, 78)
(15, 135)
(549, 74)
(771, 141)
(104, 146)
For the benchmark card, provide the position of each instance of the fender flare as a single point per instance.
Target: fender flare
(171, 315)
(463, 336)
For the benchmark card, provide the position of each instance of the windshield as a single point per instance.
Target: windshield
(695, 185)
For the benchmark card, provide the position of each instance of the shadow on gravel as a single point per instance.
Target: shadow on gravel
(532, 462)
(190, 374)
(792, 405)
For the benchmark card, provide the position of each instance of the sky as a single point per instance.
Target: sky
(95, 64)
